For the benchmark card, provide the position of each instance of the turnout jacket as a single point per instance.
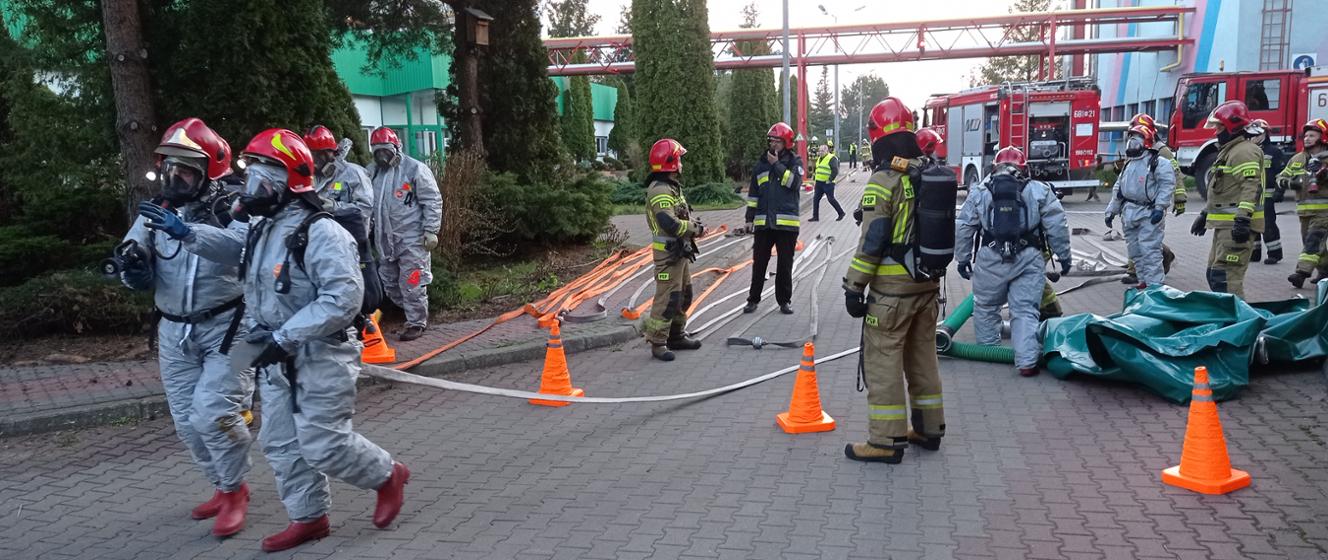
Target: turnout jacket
(888, 205)
(772, 195)
(1237, 186)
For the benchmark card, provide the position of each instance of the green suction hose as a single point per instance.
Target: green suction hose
(980, 353)
(948, 346)
(945, 332)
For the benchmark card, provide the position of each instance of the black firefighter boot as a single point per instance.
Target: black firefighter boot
(1298, 279)
(661, 352)
(678, 339)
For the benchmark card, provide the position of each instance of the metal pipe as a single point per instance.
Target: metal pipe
(787, 108)
(1180, 48)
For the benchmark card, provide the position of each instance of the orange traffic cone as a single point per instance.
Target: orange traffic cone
(376, 350)
(805, 414)
(556, 380)
(1204, 465)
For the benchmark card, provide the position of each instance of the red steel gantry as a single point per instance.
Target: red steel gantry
(903, 41)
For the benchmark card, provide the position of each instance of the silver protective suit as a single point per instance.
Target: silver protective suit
(1137, 192)
(407, 204)
(1018, 281)
(312, 322)
(347, 186)
(204, 396)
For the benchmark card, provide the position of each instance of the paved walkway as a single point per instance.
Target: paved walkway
(1031, 468)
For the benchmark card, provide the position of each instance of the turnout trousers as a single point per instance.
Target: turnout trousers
(785, 242)
(673, 296)
(1313, 231)
(899, 352)
(1227, 262)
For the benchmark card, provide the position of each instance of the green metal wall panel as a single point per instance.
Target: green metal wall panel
(425, 71)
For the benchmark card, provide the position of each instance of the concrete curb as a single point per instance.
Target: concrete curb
(150, 408)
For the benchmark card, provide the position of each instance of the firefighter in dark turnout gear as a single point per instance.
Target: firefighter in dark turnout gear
(1273, 163)
(673, 245)
(898, 312)
(772, 214)
(1235, 198)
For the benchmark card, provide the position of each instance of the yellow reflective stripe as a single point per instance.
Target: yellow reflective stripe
(862, 266)
(1312, 206)
(873, 188)
(751, 203)
(662, 199)
(783, 222)
(891, 270)
(763, 177)
(788, 178)
(658, 246)
(1240, 167)
(760, 221)
(682, 228)
(1246, 206)
(1312, 259)
(927, 402)
(891, 412)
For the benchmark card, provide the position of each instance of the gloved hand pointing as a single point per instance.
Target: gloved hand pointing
(966, 270)
(1156, 216)
(166, 221)
(855, 304)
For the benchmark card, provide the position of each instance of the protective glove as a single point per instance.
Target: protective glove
(1200, 223)
(1283, 183)
(166, 221)
(137, 278)
(1240, 231)
(1109, 218)
(698, 228)
(749, 227)
(966, 270)
(1279, 194)
(430, 241)
(1065, 267)
(1156, 216)
(857, 216)
(855, 304)
(1179, 208)
(272, 352)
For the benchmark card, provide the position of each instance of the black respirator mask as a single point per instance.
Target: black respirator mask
(385, 156)
(325, 162)
(182, 179)
(265, 191)
(1134, 146)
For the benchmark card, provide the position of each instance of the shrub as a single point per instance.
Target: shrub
(710, 194)
(72, 302)
(615, 163)
(25, 254)
(471, 225)
(565, 210)
(627, 192)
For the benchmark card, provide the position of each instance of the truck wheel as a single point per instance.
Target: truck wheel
(1203, 168)
(970, 178)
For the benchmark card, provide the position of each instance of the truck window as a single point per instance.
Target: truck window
(1263, 95)
(1200, 99)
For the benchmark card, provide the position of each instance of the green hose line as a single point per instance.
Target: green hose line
(980, 353)
(960, 314)
(946, 330)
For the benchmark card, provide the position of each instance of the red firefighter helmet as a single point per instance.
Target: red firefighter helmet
(928, 140)
(384, 135)
(1317, 125)
(666, 156)
(191, 138)
(281, 147)
(319, 138)
(1232, 116)
(888, 117)
(781, 131)
(1146, 120)
(1011, 155)
(1146, 132)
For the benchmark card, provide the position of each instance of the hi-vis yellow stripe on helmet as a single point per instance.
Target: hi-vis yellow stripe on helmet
(281, 147)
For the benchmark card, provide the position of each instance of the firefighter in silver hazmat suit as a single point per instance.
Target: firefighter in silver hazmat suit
(1141, 196)
(408, 212)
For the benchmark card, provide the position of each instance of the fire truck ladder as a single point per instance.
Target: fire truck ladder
(1018, 113)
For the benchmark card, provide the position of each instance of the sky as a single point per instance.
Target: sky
(911, 81)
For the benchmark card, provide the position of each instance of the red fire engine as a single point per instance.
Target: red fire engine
(1054, 123)
(1287, 99)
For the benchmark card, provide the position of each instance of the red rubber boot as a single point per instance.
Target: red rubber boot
(390, 496)
(208, 509)
(297, 534)
(234, 507)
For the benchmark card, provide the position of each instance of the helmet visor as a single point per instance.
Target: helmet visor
(181, 179)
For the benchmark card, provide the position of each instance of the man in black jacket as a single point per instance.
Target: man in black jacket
(772, 214)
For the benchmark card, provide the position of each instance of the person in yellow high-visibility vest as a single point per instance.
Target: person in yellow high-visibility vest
(827, 170)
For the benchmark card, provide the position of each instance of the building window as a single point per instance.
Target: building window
(601, 145)
(426, 142)
(1118, 115)
(1150, 109)
(1164, 106)
(1131, 110)
(1263, 95)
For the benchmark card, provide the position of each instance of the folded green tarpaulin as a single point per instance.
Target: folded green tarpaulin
(1162, 334)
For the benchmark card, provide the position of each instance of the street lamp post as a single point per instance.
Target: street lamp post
(836, 136)
(787, 112)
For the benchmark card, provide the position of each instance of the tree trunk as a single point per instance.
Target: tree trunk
(468, 88)
(135, 118)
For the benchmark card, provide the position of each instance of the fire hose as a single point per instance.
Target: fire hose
(758, 342)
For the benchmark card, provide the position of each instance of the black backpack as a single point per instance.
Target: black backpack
(1008, 215)
(934, 230)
